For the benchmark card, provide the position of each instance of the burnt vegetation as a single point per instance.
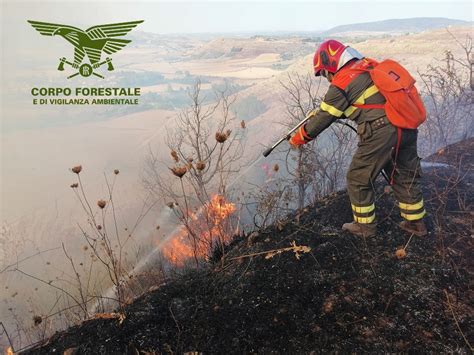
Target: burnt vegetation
(344, 294)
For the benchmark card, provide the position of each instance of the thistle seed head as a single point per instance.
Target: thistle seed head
(101, 204)
(77, 169)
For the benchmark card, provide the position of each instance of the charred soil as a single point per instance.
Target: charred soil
(347, 294)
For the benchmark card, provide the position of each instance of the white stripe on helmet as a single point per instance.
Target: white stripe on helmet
(348, 54)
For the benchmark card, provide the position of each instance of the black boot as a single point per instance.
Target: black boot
(361, 229)
(418, 227)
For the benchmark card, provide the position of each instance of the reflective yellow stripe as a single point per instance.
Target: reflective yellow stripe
(365, 209)
(413, 217)
(369, 92)
(331, 109)
(411, 207)
(349, 111)
(364, 219)
(372, 90)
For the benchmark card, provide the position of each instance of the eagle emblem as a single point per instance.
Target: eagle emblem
(91, 43)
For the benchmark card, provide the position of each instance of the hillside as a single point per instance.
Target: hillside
(253, 47)
(396, 26)
(347, 294)
(123, 141)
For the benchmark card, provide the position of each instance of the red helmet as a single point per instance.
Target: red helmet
(332, 55)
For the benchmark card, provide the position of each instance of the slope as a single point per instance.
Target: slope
(347, 294)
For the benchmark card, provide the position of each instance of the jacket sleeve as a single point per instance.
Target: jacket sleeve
(333, 106)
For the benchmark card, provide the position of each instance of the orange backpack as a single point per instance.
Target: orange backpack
(404, 107)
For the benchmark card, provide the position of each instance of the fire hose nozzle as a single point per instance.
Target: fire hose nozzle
(267, 152)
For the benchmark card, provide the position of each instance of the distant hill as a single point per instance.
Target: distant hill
(417, 24)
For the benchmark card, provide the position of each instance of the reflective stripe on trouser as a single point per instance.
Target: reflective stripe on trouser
(363, 214)
(412, 211)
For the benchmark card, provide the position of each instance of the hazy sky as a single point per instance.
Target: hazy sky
(232, 16)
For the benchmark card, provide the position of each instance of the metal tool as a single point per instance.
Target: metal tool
(267, 152)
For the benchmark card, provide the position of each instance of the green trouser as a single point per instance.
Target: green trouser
(376, 152)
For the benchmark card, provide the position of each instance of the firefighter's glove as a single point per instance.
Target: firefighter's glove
(299, 138)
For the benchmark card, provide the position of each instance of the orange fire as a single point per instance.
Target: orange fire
(206, 228)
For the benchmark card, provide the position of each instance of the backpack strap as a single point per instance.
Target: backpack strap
(350, 71)
(369, 106)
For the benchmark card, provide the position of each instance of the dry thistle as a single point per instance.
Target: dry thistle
(179, 171)
(119, 316)
(200, 165)
(116, 171)
(221, 137)
(175, 156)
(276, 167)
(101, 204)
(242, 124)
(37, 320)
(77, 169)
(400, 253)
(297, 249)
(75, 185)
(99, 227)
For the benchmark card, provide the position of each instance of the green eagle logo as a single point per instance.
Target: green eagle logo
(91, 43)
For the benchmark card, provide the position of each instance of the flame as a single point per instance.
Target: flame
(209, 226)
(177, 249)
(9, 351)
(220, 209)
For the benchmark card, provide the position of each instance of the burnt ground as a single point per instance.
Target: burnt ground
(347, 295)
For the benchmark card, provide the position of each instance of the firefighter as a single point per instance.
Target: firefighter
(382, 146)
